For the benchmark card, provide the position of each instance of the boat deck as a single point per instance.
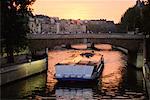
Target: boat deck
(87, 58)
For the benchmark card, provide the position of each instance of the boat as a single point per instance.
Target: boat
(86, 66)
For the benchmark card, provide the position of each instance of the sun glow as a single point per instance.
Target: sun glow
(83, 9)
(79, 12)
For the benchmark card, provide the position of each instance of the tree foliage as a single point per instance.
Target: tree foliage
(146, 17)
(131, 19)
(14, 25)
(137, 17)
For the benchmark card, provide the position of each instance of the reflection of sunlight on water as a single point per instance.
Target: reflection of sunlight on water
(112, 74)
(104, 46)
(23, 88)
(113, 83)
(50, 86)
(98, 46)
(80, 46)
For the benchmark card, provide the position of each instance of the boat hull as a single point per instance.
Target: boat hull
(77, 82)
(75, 79)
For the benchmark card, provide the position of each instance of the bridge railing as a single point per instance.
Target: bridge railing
(113, 35)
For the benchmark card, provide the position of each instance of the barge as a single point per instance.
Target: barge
(86, 66)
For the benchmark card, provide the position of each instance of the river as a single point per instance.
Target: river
(117, 81)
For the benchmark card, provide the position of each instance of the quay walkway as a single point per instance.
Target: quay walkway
(146, 71)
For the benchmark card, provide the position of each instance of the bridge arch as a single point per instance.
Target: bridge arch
(132, 43)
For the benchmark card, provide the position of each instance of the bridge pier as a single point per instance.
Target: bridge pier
(135, 58)
(90, 45)
(139, 60)
(85, 40)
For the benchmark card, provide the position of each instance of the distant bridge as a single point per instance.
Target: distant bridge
(131, 42)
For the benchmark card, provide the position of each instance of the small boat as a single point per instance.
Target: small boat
(82, 67)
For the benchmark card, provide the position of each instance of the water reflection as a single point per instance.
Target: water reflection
(79, 46)
(112, 75)
(24, 88)
(112, 80)
(103, 47)
(118, 81)
(74, 93)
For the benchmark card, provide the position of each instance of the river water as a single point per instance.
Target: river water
(117, 81)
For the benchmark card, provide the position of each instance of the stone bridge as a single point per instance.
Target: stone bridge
(133, 43)
(130, 42)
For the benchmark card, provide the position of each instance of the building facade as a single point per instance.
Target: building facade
(41, 24)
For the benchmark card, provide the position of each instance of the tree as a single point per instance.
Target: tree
(131, 19)
(14, 25)
(137, 17)
(146, 21)
(146, 17)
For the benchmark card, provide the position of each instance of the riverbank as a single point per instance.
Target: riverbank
(147, 78)
(23, 58)
(23, 66)
(18, 71)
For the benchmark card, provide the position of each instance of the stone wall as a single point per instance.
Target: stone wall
(12, 73)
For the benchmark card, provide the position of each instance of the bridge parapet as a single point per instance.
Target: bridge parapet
(80, 36)
(127, 41)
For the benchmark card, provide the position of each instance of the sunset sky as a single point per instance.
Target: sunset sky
(83, 9)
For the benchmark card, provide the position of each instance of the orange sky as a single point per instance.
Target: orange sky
(83, 9)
